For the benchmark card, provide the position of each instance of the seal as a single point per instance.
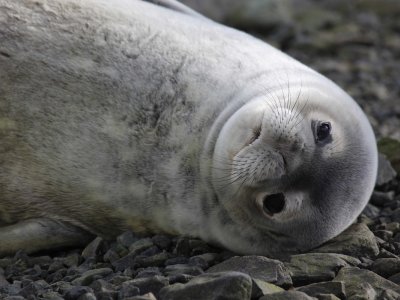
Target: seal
(150, 117)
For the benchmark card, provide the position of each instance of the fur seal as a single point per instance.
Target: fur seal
(126, 114)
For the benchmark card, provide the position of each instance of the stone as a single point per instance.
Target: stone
(328, 287)
(162, 241)
(140, 246)
(395, 278)
(261, 288)
(148, 296)
(182, 269)
(390, 148)
(371, 211)
(87, 277)
(156, 260)
(213, 286)
(87, 296)
(127, 290)
(364, 284)
(126, 239)
(386, 267)
(287, 295)
(77, 291)
(93, 248)
(381, 198)
(357, 240)
(386, 173)
(316, 267)
(148, 272)
(149, 284)
(257, 267)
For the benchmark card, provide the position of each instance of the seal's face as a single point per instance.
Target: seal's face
(298, 167)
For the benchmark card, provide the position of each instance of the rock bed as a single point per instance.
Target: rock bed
(361, 262)
(356, 47)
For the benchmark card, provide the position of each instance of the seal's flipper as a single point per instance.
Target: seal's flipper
(177, 6)
(40, 234)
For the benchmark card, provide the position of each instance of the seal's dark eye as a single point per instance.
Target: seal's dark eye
(323, 131)
(273, 204)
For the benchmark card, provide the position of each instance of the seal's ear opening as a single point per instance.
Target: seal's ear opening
(273, 204)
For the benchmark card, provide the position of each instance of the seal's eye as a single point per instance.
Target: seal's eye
(273, 204)
(323, 131)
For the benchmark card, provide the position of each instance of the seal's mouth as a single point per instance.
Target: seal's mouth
(274, 204)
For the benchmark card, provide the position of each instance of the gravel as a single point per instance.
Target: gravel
(355, 44)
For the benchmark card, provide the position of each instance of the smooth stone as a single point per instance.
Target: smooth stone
(316, 267)
(356, 241)
(87, 277)
(395, 278)
(148, 296)
(214, 286)
(328, 287)
(386, 267)
(77, 291)
(156, 260)
(140, 246)
(257, 267)
(365, 284)
(327, 297)
(371, 211)
(287, 295)
(381, 198)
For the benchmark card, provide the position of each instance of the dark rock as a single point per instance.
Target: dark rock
(127, 290)
(77, 291)
(187, 247)
(94, 248)
(260, 288)
(126, 239)
(72, 260)
(386, 173)
(384, 234)
(87, 277)
(223, 285)
(316, 267)
(111, 256)
(258, 267)
(149, 284)
(357, 240)
(156, 260)
(328, 287)
(386, 267)
(50, 295)
(140, 245)
(87, 296)
(390, 148)
(148, 272)
(182, 269)
(162, 241)
(287, 295)
(395, 278)
(148, 296)
(180, 278)
(371, 211)
(381, 198)
(176, 260)
(364, 284)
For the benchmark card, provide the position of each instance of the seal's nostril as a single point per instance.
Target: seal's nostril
(273, 204)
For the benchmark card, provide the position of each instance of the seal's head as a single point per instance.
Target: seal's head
(296, 166)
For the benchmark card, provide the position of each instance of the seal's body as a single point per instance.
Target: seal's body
(123, 114)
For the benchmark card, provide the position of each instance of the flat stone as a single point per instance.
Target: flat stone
(316, 267)
(328, 287)
(386, 267)
(327, 297)
(76, 292)
(287, 295)
(381, 198)
(149, 284)
(258, 267)
(140, 246)
(357, 241)
(261, 288)
(365, 284)
(214, 286)
(148, 296)
(156, 260)
(87, 277)
(395, 278)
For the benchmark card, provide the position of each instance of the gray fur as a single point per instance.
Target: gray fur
(110, 113)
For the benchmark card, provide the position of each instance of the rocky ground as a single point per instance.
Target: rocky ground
(355, 43)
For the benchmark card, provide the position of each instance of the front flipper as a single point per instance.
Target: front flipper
(177, 6)
(40, 234)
